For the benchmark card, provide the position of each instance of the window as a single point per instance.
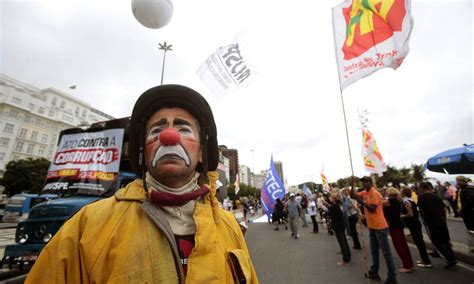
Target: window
(63, 104)
(9, 128)
(27, 119)
(2, 156)
(23, 133)
(30, 149)
(44, 138)
(38, 121)
(77, 110)
(14, 113)
(41, 110)
(51, 113)
(55, 100)
(19, 146)
(31, 106)
(53, 139)
(41, 151)
(84, 112)
(4, 141)
(34, 135)
(16, 100)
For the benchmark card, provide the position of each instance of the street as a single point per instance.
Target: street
(278, 258)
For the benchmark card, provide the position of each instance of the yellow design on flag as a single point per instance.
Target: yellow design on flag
(373, 161)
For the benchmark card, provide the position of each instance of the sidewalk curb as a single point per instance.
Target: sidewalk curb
(461, 256)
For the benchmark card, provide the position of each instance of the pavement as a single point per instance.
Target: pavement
(279, 258)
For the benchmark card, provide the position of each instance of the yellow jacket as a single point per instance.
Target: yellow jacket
(123, 239)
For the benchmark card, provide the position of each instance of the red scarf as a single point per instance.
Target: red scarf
(170, 199)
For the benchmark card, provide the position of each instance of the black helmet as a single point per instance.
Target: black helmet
(172, 96)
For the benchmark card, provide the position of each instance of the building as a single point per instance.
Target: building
(279, 169)
(245, 175)
(32, 118)
(259, 179)
(233, 156)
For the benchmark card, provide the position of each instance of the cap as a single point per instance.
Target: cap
(180, 96)
(292, 194)
(463, 178)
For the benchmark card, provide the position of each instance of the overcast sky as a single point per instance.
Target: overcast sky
(292, 108)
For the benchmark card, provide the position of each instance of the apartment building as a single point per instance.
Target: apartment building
(32, 118)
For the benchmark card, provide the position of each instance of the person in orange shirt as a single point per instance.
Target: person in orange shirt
(378, 231)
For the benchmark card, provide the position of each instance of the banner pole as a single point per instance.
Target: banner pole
(347, 132)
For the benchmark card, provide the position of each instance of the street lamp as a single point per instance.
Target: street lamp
(165, 48)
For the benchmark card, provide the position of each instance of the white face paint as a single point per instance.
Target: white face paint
(183, 130)
(170, 151)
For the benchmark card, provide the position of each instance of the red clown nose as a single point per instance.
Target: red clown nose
(169, 136)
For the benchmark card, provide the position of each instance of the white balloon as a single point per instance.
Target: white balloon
(153, 14)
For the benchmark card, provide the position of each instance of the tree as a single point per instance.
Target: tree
(26, 175)
(418, 173)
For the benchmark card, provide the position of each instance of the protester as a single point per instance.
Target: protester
(278, 214)
(378, 231)
(434, 216)
(466, 200)
(451, 196)
(392, 212)
(440, 189)
(334, 209)
(294, 214)
(312, 211)
(353, 217)
(410, 219)
(327, 216)
(304, 206)
(149, 230)
(319, 204)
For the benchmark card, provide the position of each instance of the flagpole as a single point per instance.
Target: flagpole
(347, 132)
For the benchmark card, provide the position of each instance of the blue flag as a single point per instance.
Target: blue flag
(272, 189)
(307, 191)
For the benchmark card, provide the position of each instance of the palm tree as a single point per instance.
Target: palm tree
(417, 172)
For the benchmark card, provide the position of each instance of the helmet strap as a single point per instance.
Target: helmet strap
(204, 154)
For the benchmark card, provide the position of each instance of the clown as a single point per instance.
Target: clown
(166, 227)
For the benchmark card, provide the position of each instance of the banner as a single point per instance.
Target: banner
(370, 35)
(307, 191)
(325, 182)
(272, 189)
(225, 70)
(86, 162)
(237, 184)
(373, 161)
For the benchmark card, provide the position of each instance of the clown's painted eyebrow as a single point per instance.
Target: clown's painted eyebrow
(176, 121)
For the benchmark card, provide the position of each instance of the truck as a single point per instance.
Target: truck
(89, 164)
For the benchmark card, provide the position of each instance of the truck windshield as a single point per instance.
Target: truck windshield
(17, 201)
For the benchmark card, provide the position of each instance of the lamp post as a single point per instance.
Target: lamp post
(165, 48)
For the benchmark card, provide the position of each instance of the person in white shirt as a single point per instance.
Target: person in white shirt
(312, 211)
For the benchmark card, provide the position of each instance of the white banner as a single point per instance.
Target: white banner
(225, 70)
(370, 35)
(90, 155)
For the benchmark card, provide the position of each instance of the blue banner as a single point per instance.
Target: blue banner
(307, 191)
(272, 189)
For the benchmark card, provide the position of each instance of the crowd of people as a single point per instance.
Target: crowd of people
(385, 212)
